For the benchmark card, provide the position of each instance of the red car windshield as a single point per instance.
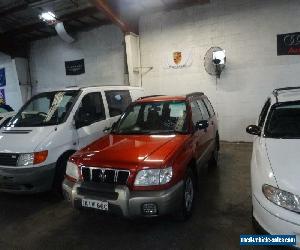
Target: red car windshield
(164, 117)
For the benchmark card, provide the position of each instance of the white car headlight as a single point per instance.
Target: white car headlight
(72, 170)
(153, 177)
(282, 198)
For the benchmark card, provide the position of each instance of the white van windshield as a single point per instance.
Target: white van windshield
(45, 109)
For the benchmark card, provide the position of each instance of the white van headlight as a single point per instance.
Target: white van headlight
(28, 159)
(282, 198)
(72, 171)
(153, 177)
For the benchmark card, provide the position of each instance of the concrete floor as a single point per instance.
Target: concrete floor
(222, 213)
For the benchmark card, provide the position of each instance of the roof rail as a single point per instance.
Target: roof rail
(69, 87)
(148, 96)
(194, 94)
(276, 91)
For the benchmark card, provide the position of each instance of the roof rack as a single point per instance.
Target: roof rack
(69, 87)
(276, 91)
(194, 94)
(148, 96)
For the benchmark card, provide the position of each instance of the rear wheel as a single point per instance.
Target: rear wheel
(188, 196)
(213, 161)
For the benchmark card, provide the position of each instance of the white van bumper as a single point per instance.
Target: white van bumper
(27, 180)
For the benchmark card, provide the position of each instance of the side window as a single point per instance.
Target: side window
(264, 113)
(91, 109)
(209, 107)
(118, 101)
(203, 109)
(196, 113)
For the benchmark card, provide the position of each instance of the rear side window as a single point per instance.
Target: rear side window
(209, 107)
(264, 112)
(117, 101)
(203, 109)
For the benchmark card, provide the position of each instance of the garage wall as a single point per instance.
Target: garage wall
(101, 48)
(12, 88)
(247, 30)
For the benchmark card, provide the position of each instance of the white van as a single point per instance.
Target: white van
(36, 144)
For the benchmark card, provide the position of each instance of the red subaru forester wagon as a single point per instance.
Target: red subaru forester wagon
(147, 165)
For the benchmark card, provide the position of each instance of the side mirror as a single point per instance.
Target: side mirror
(202, 125)
(253, 130)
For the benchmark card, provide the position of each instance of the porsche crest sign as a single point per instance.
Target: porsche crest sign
(178, 59)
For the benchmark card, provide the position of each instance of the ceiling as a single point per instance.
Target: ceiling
(20, 24)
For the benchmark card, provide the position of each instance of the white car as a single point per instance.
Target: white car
(36, 144)
(275, 164)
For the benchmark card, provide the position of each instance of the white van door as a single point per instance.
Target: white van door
(117, 102)
(90, 119)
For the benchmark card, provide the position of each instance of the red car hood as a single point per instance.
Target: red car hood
(129, 151)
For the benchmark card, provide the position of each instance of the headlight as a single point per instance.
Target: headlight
(153, 177)
(282, 198)
(32, 158)
(72, 170)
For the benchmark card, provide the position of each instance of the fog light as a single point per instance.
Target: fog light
(149, 209)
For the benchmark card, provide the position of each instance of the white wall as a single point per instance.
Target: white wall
(247, 30)
(22, 68)
(12, 88)
(101, 48)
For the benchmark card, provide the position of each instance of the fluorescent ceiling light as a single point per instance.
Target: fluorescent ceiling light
(48, 16)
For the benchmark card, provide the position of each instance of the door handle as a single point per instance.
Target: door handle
(106, 130)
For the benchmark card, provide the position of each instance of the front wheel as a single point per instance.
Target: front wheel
(188, 196)
(59, 176)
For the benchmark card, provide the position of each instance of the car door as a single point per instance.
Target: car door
(209, 132)
(91, 126)
(117, 102)
(198, 135)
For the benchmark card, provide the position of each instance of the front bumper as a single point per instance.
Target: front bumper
(124, 202)
(27, 180)
(276, 220)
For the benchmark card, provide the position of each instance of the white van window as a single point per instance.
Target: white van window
(91, 109)
(118, 101)
(45, 109)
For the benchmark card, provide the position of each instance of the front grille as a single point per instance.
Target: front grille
(99, 190)
(105, 175)
(8, 159)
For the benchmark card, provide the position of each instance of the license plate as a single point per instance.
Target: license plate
(101, 205)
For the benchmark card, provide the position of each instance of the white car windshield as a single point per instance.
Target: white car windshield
(153, 118)
(284, 121)
(45, 109)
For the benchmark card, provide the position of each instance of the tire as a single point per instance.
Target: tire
(59, 176)
(214, 159)
(188, 196)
